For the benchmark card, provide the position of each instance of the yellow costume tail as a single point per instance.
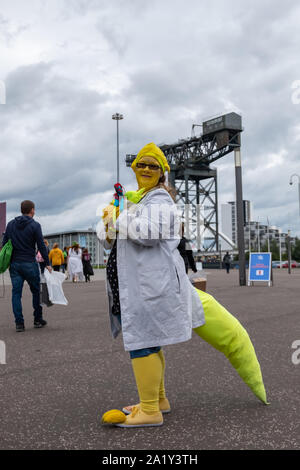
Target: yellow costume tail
(225, 333)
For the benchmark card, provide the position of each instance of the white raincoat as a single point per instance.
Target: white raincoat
(159, 305)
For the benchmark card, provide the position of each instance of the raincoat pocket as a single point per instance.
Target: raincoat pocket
(154, 282)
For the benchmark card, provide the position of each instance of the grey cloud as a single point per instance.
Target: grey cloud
(183, 64)
(36, 86)
(10, 33)
(62, 157)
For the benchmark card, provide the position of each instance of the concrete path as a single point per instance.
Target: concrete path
(58, 381)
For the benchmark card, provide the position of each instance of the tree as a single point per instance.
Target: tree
(274, 248)
(296, 250)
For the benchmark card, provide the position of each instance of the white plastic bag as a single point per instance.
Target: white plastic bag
(54, 282)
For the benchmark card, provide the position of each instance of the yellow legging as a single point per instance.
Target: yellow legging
(149, 377)
(162, 392)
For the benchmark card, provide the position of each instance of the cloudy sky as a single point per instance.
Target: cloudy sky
(68, 65)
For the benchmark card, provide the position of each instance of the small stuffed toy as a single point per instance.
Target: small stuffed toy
(112, 211)
(118, 201)
(118, 195)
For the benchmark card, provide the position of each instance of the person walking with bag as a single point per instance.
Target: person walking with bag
(56, 257)
(25, 233)
(40, 259)
(65, 265)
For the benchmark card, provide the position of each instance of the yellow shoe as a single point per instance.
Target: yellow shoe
(138, 419)
(164, 407)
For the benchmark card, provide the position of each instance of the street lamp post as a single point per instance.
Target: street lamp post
(280, 255)
(94, 244)
(117, 117)
(249, 238)
(289, 250)
(291, 182)
(240, 215)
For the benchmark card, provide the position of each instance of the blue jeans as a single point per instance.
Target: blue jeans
(141, 352)
(20, 272)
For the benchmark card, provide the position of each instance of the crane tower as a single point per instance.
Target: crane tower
(195, 180)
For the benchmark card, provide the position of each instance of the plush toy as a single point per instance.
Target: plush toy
(225, 333)
(113, 417)
(118, 201)
(221, 330)
(112, 211)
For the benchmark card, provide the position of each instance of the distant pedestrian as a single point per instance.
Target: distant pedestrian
(227, 261)
(56, 257)
(40, 259)
(186, 252)
(25, 233)
(87, 267)
(65, 253)
(75, 267)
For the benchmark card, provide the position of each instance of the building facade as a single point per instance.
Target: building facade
(256, 234)
(229, 220)
(85, 238)
(247, 209)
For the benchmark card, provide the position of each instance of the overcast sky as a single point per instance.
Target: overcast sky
(68, 65)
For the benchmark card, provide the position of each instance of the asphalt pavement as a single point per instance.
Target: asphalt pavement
(59, 380)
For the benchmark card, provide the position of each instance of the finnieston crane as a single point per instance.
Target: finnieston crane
(196, 181)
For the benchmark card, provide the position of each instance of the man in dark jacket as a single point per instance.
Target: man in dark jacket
(25, 233)
(186, 252)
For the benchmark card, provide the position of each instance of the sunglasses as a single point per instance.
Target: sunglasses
(150, 166)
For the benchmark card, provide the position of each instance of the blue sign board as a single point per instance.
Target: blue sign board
(260, 267)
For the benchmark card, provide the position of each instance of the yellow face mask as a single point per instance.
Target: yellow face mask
(148, 177)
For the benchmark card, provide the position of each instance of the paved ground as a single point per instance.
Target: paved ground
(99, 275)
(59, 380)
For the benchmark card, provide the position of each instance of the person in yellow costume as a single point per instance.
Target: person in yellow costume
(151, 298)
